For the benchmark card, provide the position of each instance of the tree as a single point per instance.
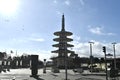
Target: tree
(96, 60)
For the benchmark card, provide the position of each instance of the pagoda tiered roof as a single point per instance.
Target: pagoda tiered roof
(62, 51)
(61, 45)
(63, 39)
(65, 33)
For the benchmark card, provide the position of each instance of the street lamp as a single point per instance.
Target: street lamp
(91, 57)
(114, 54)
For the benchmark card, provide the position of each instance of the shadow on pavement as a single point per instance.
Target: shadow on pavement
(37, 78)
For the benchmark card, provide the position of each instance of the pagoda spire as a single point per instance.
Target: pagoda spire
(63, 23)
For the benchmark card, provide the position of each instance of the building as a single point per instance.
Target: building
(62, 46)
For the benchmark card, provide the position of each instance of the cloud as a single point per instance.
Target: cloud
(99, 31)
(83, 48)
(43, 54)
(80, 48)
(55, 1)
(19, 40)
(82, 2)
(96, 30)
(37, 39)
(25, 40)
(59, 13)
(111, 34)
(67, 2)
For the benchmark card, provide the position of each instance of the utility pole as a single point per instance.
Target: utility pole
(91, 57)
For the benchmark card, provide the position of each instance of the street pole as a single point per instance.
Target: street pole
(104, 50)
(66, 62)
(114, 55)
(91, 57)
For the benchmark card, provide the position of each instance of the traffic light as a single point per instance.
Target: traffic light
(104, 49)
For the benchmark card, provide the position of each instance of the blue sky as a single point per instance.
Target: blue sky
(30, 27)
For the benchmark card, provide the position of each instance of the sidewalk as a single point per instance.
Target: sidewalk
(24, 74)
(61, 76)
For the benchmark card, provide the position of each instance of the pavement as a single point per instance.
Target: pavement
(24, 74)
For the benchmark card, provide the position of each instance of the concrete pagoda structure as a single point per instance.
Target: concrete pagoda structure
(62, 46)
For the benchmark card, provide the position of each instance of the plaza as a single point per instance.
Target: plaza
(24, 74)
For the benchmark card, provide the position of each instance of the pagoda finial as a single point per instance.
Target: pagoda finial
(63, 23)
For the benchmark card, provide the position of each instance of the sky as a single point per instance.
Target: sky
(27, 26)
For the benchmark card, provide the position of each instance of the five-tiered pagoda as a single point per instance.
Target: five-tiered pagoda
(62, 46)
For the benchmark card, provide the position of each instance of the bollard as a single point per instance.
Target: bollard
(44, 69)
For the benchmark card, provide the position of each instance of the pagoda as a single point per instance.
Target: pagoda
(62, 46)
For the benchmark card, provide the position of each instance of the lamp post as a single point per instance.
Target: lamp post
(114, 54)
(91, 57)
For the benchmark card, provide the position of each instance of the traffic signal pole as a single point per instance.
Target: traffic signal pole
(104, 50)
